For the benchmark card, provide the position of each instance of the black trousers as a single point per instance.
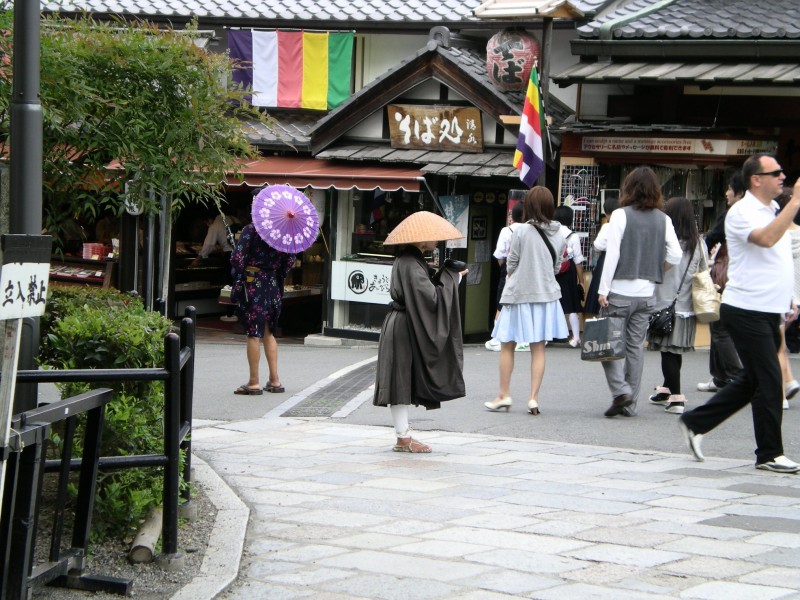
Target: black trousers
(723, 361)
(756, 336)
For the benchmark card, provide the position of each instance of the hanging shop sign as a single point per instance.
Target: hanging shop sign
(435, 127)
(24, 275)
(658, 145)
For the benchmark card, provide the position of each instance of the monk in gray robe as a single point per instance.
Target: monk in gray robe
(420, 355)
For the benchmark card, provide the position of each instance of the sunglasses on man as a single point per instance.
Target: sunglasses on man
(775, 173)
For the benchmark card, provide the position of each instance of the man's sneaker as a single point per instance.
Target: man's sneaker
(522, 348)
(693, 440)
(676, 404)
(707, 386)
(492, 345)
(785, 404)
(661, 397)
(790, 389)
(779, 464)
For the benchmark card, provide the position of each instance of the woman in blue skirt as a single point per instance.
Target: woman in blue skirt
(531, 312)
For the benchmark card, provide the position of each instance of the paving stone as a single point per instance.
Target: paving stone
(724, 590)
(625, 555)
(766, 489)
(784, 557)
(784, 540)
(698, 529)
(257, 590)
(685, 503)
(386, 587)
(628, 536)
(308, 577)
(528, 542)
(489, 521)
(441, 549)
(593, 592)
(774, 576)
(710, 567)
(507, 581)
(752, 523)
(706, 547)
(373, 541)
(393, 564)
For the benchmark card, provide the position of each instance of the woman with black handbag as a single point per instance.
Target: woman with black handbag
(676, 290)
(641, 246)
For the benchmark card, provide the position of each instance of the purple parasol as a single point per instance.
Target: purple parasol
(285, 218)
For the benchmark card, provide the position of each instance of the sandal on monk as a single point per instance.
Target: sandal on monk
(243, 390)
(413, 446)
(274, 389)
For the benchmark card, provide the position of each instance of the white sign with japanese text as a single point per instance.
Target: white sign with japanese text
(360, 282)
(656, 145)
(23, 288)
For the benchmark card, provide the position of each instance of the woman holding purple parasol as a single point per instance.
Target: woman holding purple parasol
(284, 223)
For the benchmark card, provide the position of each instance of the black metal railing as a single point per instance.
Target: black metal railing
(17, 531)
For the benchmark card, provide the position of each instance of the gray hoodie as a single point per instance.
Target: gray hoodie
(531, 268)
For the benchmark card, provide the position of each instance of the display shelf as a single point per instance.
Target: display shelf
(83, 271)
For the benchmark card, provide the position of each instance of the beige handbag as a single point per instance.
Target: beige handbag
(705, 295)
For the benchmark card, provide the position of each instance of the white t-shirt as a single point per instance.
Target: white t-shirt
(504, 241)
(573, 245)
(759, 279)
(637, 288)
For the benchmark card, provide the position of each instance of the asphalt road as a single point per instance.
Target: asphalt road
(572, 399)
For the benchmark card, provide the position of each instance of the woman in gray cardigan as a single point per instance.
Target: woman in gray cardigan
(531, 309)
(678, 283)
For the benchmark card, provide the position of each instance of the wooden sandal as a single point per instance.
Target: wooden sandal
(413, 446)
(244, 390)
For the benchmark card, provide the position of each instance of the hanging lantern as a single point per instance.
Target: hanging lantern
(510, 56)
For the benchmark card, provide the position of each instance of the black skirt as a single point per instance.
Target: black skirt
(570, 298)
(592, 307)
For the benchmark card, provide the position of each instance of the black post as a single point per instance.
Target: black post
(169, 529)
(25, 209)
(187, 395)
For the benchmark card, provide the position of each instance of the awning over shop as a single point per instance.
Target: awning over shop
(301, 172)
(691, 73)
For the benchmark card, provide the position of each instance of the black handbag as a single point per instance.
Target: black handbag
(662, 321)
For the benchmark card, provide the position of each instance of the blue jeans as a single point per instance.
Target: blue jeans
(756, 336)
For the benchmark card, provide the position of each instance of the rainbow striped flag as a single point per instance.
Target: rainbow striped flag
(293, 69)
(529, 155)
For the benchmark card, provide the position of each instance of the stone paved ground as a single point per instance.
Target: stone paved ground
(336, 514)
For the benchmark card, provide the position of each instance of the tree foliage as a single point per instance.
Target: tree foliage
(129, 104)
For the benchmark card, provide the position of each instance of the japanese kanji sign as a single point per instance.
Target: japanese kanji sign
(435, 127)
(24, 275)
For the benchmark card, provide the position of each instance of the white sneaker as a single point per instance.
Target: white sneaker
(785, 404)
(492, 345)
(693, 441)
(707, 386)
(790, 389)
(522, 348)
(574, 342)
(779, 464)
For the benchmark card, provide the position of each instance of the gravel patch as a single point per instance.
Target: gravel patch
(149, 581)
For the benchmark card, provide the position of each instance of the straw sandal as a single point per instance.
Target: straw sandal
(413, 446)
(243, 390)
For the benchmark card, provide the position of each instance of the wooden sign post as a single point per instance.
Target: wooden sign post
(24, 278)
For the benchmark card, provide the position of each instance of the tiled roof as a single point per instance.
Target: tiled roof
(697, 19)
(302, 10)
(478, 164)
(348, 12)
(290, 129)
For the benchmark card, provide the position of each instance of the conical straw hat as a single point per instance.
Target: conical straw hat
(422, 226)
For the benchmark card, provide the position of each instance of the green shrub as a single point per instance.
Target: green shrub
(106, 329)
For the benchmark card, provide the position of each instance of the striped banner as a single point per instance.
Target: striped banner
(529, 155)
(293, 69)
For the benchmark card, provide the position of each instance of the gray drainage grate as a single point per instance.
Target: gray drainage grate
(326, 401)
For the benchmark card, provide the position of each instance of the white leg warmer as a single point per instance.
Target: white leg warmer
(400, 419)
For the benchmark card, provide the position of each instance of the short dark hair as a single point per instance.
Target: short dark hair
(641, 190)
(539, 205)
(564, 215)
(752, 166)
(610, 205)
(516, 212)
(737, 184)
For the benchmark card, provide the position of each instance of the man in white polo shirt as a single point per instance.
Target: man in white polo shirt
(758, 295)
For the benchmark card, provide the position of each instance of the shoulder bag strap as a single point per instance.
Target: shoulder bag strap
(547, 242)
(680, 285)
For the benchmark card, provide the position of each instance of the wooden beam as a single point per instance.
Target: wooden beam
(511, 119)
